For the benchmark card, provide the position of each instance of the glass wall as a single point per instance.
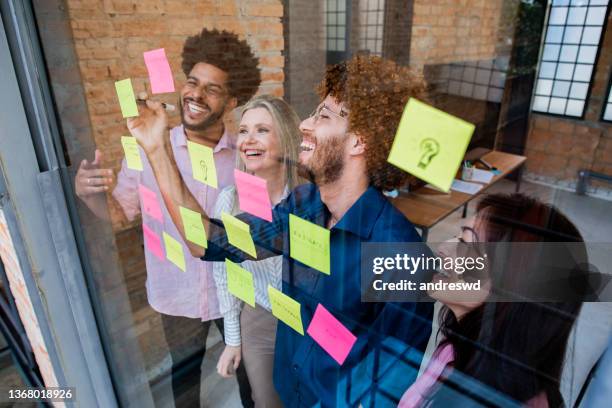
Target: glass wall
(185, 332)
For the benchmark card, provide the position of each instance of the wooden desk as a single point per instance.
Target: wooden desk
(425, 207)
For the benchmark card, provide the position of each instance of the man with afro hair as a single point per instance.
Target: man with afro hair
(221, 74)
(344, 152)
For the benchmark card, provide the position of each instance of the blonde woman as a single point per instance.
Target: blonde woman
(268, 141)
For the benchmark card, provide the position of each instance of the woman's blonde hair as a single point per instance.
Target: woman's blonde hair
(286, 123)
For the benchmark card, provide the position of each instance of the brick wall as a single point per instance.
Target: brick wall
(24, 305)
(446, 31)
(109, 38)
(304, 53)
(111, 35)
(557, 148)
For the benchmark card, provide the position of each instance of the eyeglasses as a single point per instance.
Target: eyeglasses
(472, 245)
(324, 110)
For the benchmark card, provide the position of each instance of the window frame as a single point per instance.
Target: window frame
(587, 97)
(605, 102)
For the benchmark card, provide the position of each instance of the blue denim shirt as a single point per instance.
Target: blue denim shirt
(391, 337)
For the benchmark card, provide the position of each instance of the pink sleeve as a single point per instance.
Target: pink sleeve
(539, 401)
(126, 191)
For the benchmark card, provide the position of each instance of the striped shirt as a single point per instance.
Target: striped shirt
(265, 272)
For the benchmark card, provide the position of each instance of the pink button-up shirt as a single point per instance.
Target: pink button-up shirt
(171, 291)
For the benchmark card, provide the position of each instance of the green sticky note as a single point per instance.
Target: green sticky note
(286, 309)
(127, 100)
(194, 229)
(239, 234)
(174, 251)
(132, 152)
(240, 282)
(430, 143)
(309, 243)
(202, 163)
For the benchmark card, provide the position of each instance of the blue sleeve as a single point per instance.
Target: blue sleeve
(268, 237)
(397, 339)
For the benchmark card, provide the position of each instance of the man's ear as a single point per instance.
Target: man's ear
(357, 144)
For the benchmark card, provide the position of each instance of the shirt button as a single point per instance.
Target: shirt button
(295, 368)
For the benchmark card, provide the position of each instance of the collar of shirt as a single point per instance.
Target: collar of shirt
(179, 138)
(361, 217)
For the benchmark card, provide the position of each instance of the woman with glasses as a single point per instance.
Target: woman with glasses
(268, 140)
(516, 348)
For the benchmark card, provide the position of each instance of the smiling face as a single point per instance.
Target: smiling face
(323, 149)
(461, 302)
(258, 142)
(204, 97)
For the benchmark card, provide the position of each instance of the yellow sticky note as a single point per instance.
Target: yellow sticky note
(309, 243)
(202, 163)
(240, 282)
(127, 100)
(286, 309)
(430, 143)
(194, 229)
(132, 152)
(239, 234)
(174, 251)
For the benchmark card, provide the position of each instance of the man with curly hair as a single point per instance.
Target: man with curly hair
(345, 145)
(221, 73)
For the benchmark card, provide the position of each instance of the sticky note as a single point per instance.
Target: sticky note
(160, 73)
(150, 205)
(253, 195)
(152, 242)
(309, 243)
(194, 229)
(331, 334)
(174, 251)
(202, 163)
(286, 309)
(132, 152)
(127, 100)
(238, 234)
(430, 143)
(240, 282)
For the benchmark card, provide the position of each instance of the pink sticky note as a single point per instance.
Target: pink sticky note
(331, 335)
(160, 73)
(253, 195)
(149, 202)
(153, 242)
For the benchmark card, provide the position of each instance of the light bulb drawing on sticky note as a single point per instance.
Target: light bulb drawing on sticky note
(430, 144)
(430, 149)
(202, 163)
(204, 170)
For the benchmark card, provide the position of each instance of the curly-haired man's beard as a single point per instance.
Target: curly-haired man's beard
(210, 120)
(326, 164)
